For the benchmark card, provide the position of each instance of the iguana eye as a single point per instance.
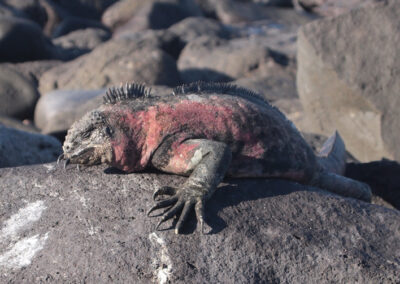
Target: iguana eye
(108, 131)
(86, 134)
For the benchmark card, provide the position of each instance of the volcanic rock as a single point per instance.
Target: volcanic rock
(113, 62)
(93, 225)
(347, 79)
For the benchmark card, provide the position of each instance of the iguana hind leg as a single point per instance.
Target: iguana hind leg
(206, 163)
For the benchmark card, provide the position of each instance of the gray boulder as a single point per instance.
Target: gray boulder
(193, 27)
(232, 12)
(348, 79)
(157, 14)
(329, 8)
(19, 147)
(92, 225)
(70, 24)
(79, 42)
(214, 59)
(113, 62)
(274, 82)
(161, 39)
(32, 69)
(23, 40)
(56, 111)
(18, 93)
(278, 37)
(120, 12)
(18, 87)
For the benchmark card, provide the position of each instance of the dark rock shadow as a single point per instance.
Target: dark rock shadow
(382, 176)
(191, 75)
(235, 192)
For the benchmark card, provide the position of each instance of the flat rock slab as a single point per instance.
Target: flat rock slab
(65, 226)
(348, 78)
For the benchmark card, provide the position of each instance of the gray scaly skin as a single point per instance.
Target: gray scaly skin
(205, 131)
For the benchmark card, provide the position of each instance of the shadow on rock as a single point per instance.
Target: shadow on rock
(382, 176)
(239, 191)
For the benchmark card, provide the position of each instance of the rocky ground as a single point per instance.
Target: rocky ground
(326, 64)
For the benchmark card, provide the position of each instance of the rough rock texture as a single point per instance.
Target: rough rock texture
(92, 225)
(153, 14)
(19, 147)
(22, 40)
(230, 12)
(18, 93)
(81, 41)
(18, 85)
(331, 7)
(71, 24)
(120, 12)
(348, 72)
(215, 59)
(273, 81)
(193, 27)
(279, 37)
(162, 39)
(113, 62)
(32, 69)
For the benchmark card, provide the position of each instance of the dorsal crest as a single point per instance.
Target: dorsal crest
(126, 92)
(223, 88)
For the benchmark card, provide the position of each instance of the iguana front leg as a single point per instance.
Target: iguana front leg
(206, 163)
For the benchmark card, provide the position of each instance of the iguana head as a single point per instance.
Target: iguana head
(88, 141)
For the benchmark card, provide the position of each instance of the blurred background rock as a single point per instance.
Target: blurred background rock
(327, 64)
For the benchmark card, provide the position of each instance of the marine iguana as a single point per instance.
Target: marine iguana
(205, 131)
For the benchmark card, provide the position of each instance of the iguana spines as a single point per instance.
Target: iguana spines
(126, 92)
(201, 87)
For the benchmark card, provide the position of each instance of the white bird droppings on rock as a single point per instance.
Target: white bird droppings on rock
(17, 222)
(163, 262)
(22, 252)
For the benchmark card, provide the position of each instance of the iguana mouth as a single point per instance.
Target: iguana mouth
(81, 156)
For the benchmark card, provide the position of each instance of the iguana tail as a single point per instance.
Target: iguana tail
(332, 163)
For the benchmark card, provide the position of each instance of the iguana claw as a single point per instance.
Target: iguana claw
(180, 205)
(165, 190)
(61, 157)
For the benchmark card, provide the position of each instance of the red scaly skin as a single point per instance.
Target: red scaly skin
(242, 125)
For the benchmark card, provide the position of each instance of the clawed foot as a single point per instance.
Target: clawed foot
(180, 203)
